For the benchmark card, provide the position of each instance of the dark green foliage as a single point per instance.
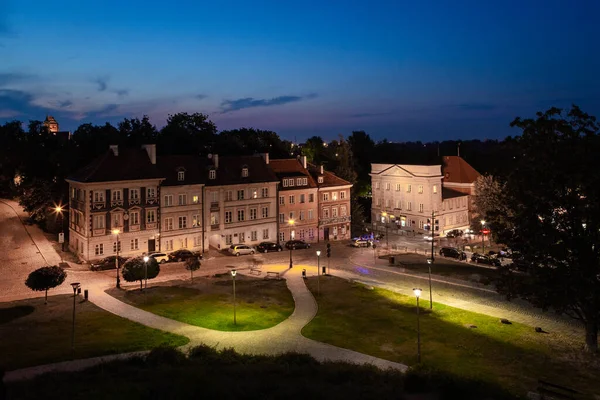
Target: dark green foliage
(46, 278)
(192, 264)
(135, 269)
(229, 375)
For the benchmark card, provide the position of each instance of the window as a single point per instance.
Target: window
(290, 182)
(434, 189)
(408, 206)
(399, 204)
(195, 220)
(150, 216)
(282, 218)
(302, 234)
(343, 229)
(265, 192)
(320, 179)
(310, 214)
(292, 199)
(305, 181)
(151, 193)
(326, 213)
(311, 198)
(228, 195)
(285, 183)
(117, 220)
(388, 186)
(214, 218)
(195, 199)
(408, 188)
(334, 196)
(244, 172)
(388, 203)
(265, 233)
(240, 194)
(228, 239)
(241, 216)
(99, 196)
(254, 236)
(168, 200)
(168, 224)
(342, 195)
(169, 244)
(325, 196)
(134, 194)
(212, 174)
(398, 187)
(420, 207)
(180, 175)
(378, 202)
(253, 193)
(116, 246)
(343, 211)
(282, 236)
(242, 237)
(299, 182)
(301, 217)
(99, 221)
(182, 199)
(214, 197)
(334, 211)
(134, 218)
(421, 224)
(253, 213)
(302, 199)
(292, 215)
(134, 244)
(197, 241)
(116, 195)
(182, 222)
(377, 185)
(99, 250)
(265, 212)
(420, 189)
(228, 217)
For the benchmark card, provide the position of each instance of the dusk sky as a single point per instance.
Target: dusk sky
(404, 70)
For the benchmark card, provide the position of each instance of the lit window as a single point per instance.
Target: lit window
(212, 174)
(244, 172)
(180, 175)
(435, 189)
(320, 179)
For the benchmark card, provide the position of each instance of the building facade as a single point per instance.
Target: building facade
(298, 207)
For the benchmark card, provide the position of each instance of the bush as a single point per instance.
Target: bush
(165, 355)
(192, 264)
(135, 270)
(46, 278)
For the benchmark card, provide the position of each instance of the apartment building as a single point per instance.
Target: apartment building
(298, 206)
(240, 200)
(114, 204)
(333, 194)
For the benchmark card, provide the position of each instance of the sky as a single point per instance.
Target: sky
(401, 70)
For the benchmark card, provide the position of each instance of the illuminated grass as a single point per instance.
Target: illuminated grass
(384, 324)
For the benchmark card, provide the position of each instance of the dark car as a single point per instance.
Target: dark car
(108, 263)
(454, 233)
(296, 244)
(183, 254)
(266, 247)
(483, 259)
(453, 253)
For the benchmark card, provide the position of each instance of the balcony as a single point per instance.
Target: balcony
(98, 205)
(151, 225)
(116, 203)
(134, 228)
(133, 202)
(99, 232)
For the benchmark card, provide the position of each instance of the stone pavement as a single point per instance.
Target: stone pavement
(281, 338)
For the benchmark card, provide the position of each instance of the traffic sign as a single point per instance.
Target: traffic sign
(61, 237)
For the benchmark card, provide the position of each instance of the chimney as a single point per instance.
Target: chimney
(216, 160)
(321, 169)
(265, 156)
(115, 149)
(151, 150)
(303, 162)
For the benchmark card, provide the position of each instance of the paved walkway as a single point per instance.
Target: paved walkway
(284, 337)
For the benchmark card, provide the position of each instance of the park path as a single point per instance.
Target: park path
(284, 337)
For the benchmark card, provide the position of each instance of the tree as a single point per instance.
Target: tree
(36, 198)
(187, 134)
(45, 278)
(553, 219)
(490, 204)
(345, 161)
(134, 270)
(192, 264)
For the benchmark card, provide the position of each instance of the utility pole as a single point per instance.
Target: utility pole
(432, 227)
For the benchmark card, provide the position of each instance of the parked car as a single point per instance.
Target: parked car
(159, 257)
(107, 263)
(428, 237)
(183, 254)
(266, 247)
(483, 259)
(297, 244)
(454, 233)
(453, 253)
(361, 243)
(240, 249)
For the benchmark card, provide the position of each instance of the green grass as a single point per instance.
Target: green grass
(384, 324)
(208, 302)
(33, 333)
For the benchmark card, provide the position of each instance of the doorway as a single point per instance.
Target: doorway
(326, 233)
(151, 245)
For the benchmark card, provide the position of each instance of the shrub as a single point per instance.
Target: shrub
(192, 264)
(135, 270)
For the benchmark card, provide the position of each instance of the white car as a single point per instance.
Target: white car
(361, 243)
(159, 257)
(240, 249)
(429, 238)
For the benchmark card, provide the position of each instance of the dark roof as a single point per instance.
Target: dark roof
(457, 170)
(292, 167)
(130, 164)
(229, 171)
(451, 193)
(195, 169)
(329, 178)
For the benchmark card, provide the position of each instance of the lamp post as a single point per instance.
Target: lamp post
(146, 258)
(417, 293)
(387, 238)
(116, 232)
(291, 224)
(233, 272)
(429, 262)
(75, 286)
(482, 237)
(318, 272)
(59, 210)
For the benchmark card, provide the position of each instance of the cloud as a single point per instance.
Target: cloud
(367, 115)
(8, 78)
(476, 106)
(200, 96)
(102, 83)
(65, 104)
(250, 102)
(122, 93)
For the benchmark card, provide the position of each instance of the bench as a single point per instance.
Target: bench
(271, 274)
(255, 271)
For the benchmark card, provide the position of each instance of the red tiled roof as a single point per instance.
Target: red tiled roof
(329, 178)
(450, 193)
(292, 167)
(457, 170)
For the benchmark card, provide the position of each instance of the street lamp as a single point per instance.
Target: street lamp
(318, 272)
(291, 224)
(59, 210)
(387, 238)
(429, 262)
(482, 237)
(76, 287)
(146, 258)
(116, 232)
(233, 272)
(417, 293)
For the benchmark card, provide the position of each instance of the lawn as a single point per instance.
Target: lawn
(384, 324)
(208, 302)
(33, 333)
